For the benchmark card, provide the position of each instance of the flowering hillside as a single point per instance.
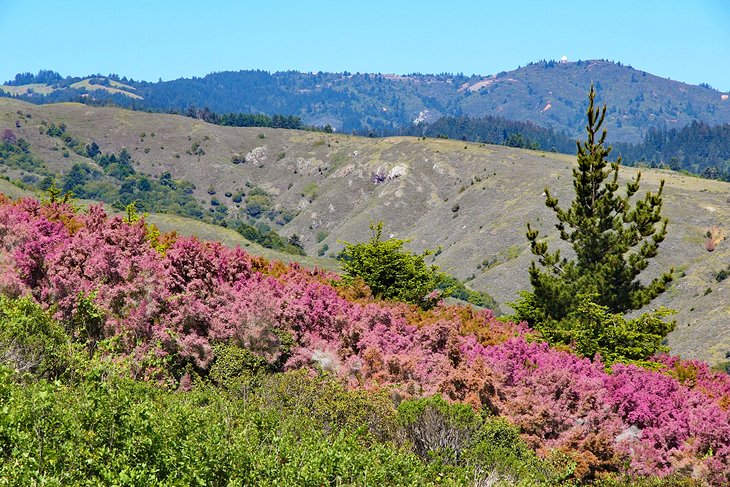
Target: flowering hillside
(163, 304)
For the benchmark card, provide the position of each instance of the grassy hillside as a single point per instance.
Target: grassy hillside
(470, 200)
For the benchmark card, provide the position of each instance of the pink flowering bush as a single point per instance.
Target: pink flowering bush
(168, 308)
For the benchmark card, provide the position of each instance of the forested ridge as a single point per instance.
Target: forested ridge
(546, 93)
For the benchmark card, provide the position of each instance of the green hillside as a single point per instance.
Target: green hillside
(470, 201)
(547, 93)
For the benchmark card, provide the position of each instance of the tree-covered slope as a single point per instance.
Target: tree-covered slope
(549, 94)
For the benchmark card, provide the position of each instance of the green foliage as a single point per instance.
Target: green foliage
(17, 155)
(612, 239)
(54, 193)
(235, 368)
(498, 447)
(267, 238)
(390, 271)
(454, 288)
(118, 432)
(437, 429)
(494, 130)
(698, 148)
(310, 191)
(321, 235)
(453, 434)
(101, 428)
(722, 274)
(87, 322)
(122, 186)
(74, 180)
(329, 404)
(323, 250)
(594, 331)
(30, 341)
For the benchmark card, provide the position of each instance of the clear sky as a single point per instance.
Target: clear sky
(151, 39)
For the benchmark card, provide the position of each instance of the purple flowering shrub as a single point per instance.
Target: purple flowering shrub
(167, 309)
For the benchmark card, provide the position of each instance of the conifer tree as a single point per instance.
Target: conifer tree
(612, 239)
(390, 271)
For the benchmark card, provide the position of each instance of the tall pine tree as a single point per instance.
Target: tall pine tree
(612, 237)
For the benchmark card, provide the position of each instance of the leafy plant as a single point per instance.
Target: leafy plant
(390, 271)
(30, 341)
(594, 331)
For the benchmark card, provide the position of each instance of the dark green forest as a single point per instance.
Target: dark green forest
(536, 105)
(698, 148)
(546, 93)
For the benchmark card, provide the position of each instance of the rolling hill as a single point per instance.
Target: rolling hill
(547, 93)
(469, 200)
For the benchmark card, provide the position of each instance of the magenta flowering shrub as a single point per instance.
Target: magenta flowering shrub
(699, 376)
(169, 308)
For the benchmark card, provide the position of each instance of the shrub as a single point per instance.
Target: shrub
(593, 331)
(118, 432)
(329, 404)
(436, 429)
(391, 273)
(31, 342)
(453, 434)
(321, 235)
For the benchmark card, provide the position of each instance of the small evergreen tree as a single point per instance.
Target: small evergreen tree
(390, 271)
(612, 238)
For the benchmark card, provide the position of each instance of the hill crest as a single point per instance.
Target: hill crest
(547, 93)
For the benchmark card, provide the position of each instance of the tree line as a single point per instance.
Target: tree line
(699, 148)
(495, 130)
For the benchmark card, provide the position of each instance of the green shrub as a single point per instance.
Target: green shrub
(115, 431)
(235, 367)
(497, 448)
(436, 429)
(323, 250)
(329, 404)
(722, 274)
(593, 331)
(489, 447)
(321, 235)
(456, 289)
(310, 191)
(390, 271)
(31, 342)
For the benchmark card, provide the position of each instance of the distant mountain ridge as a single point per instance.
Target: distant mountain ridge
(547, 93)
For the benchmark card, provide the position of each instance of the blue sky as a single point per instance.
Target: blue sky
(687, 41)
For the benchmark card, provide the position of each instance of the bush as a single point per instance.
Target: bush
(390, 271)
(235, 367)
(453, 434)
(593, 331)
(31, 342)
(329, 404)
(436, 429)
(114, 431)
